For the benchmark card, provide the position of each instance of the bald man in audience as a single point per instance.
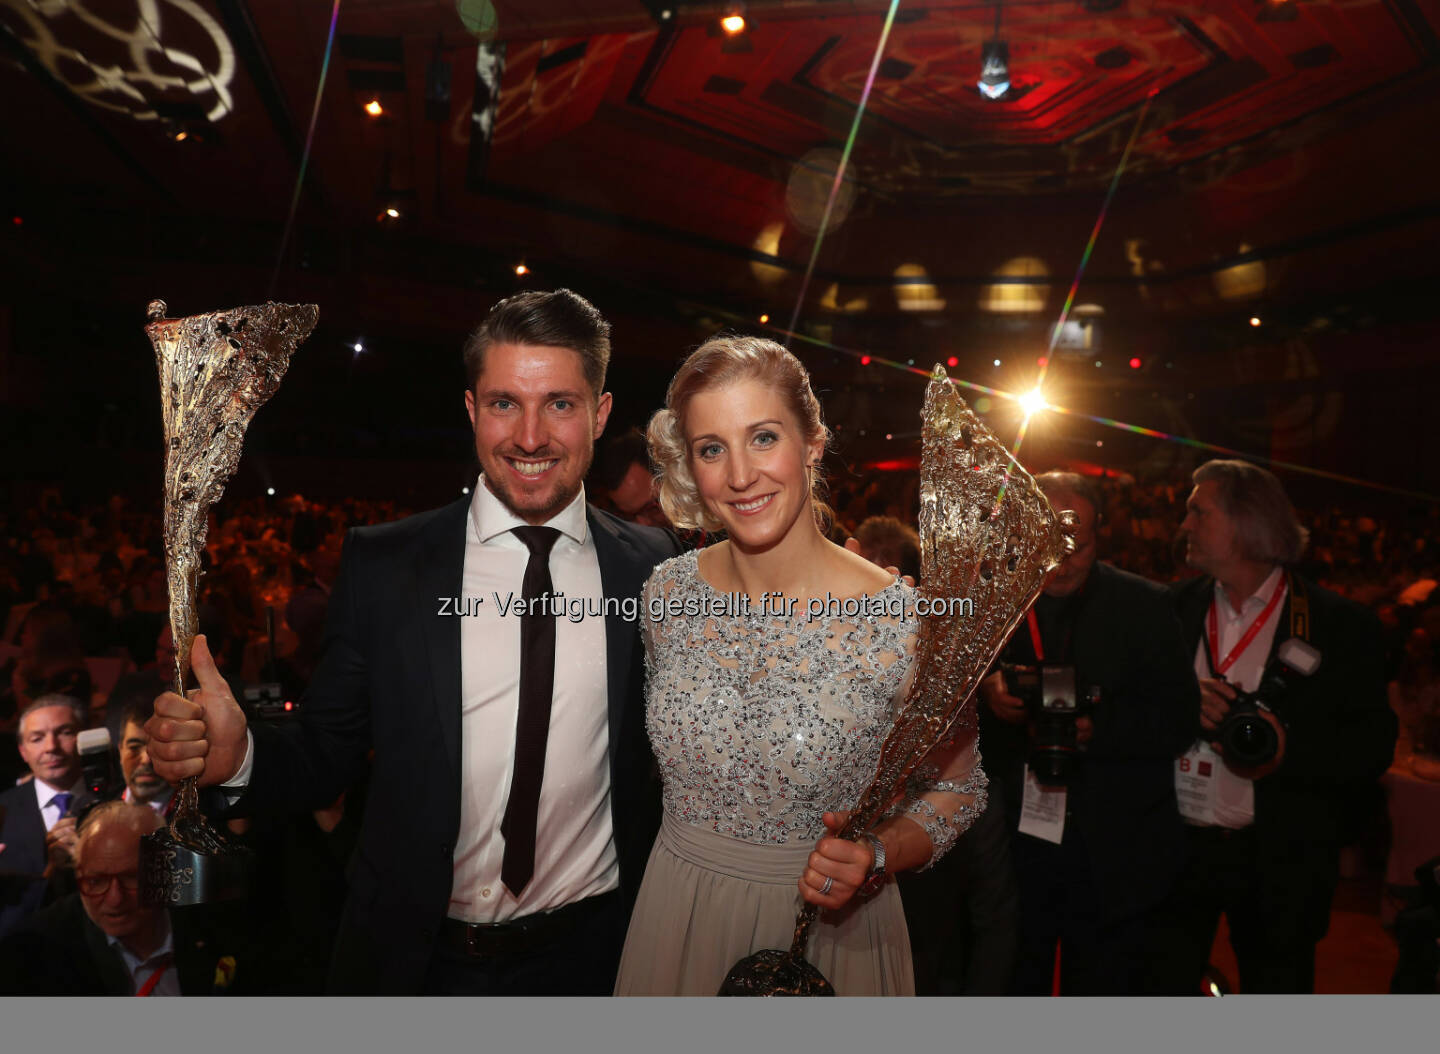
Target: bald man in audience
(103, 940)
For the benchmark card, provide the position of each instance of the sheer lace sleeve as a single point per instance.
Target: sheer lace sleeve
(946, 793)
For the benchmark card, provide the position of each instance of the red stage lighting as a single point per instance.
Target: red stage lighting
(1042, 362)
(1135, 364)
(864, 360)
(952, 362)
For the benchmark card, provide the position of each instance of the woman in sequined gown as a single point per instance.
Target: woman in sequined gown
(774, 662)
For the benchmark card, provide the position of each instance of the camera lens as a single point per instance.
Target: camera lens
(1249, 739)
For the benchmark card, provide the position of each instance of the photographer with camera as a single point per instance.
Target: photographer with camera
(1081, 727)
(1296, 729)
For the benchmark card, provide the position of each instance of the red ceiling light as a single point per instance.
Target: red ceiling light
(864, 360)
(1042, 362)
(952, 362)
(1135, 364)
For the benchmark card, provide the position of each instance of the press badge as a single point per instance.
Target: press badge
(1042, 811)
(1207, 793)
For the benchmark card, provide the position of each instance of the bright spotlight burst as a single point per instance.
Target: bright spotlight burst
(1033, 402)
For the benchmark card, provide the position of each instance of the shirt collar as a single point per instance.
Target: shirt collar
(133, 961)
(490, 517)
(44, 793)
(1256, 601)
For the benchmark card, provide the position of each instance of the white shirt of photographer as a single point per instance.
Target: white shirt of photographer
(1210, 794)
(574, 835)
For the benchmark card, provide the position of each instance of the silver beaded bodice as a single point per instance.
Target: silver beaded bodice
(762, 722)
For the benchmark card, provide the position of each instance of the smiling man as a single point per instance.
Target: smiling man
(510, 808)
(37, 823)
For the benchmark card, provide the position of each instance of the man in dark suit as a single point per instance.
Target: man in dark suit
(1094, 853)
(512, 801)
(102, 940)
(37, 835)
(1265, 838)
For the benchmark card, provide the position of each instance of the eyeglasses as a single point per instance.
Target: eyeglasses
(99, 885)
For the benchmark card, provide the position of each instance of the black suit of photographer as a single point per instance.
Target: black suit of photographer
(1274, 880)
(1123, 844)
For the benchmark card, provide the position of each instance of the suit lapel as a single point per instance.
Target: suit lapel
(439, 570)
(115, 979)
(622, 574)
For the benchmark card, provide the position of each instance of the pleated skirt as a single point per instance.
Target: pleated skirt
(708, 901)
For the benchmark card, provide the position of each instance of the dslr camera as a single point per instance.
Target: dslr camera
(1052, 704)
(1246, 737)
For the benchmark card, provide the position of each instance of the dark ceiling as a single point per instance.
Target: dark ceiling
(1288, 148)
(1282, 159)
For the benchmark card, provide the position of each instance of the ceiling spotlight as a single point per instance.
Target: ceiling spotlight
(1097, 364)
(1135, 364)
(1032, 402)
(864, 361)
(373, 108)
(997, 362)
(393, 213)
(521, 270)
(733, 22)
(666, 15)
(1254, 320)
(270, 491)
(764, 319)
(181, 135)
(995, 71)
(952, 362)
(359, 347)
(889, 435)
(464, 490)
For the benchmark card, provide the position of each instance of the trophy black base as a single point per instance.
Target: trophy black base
(175, 875)
(775, 972)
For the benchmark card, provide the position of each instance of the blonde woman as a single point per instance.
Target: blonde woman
(774, 662)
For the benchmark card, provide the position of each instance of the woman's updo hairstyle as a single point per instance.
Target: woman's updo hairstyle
(719, 362)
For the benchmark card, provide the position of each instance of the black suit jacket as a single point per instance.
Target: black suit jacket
(1127, 640)
(59, 951)
(390, 677)
(1339, 738)
(22, 864)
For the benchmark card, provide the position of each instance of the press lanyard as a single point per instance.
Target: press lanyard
(1035, 642)
(160, 968)
(1212, 629)
(1034, 625)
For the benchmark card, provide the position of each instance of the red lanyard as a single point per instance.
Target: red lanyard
(161, 966)
(1035, 634)
(1212, 631)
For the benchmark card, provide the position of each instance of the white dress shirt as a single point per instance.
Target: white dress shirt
(1235, 804)
(574, 844)
(142, 969)
(49, 807)
(574, 836)
(158, 803)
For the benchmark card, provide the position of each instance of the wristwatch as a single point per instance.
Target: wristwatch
(876, 878)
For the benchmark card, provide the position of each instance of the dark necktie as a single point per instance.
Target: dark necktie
(532, 726)
(63, 799)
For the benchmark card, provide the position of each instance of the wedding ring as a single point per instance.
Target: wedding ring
(829, 882)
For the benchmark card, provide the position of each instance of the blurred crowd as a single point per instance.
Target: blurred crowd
(83, 602)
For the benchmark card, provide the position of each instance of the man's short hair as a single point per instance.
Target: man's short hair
(1266, 527)
(1073, 483)
(137, 711)
(77, 707)
(615, 456)
(890, 543)
(561, 319)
